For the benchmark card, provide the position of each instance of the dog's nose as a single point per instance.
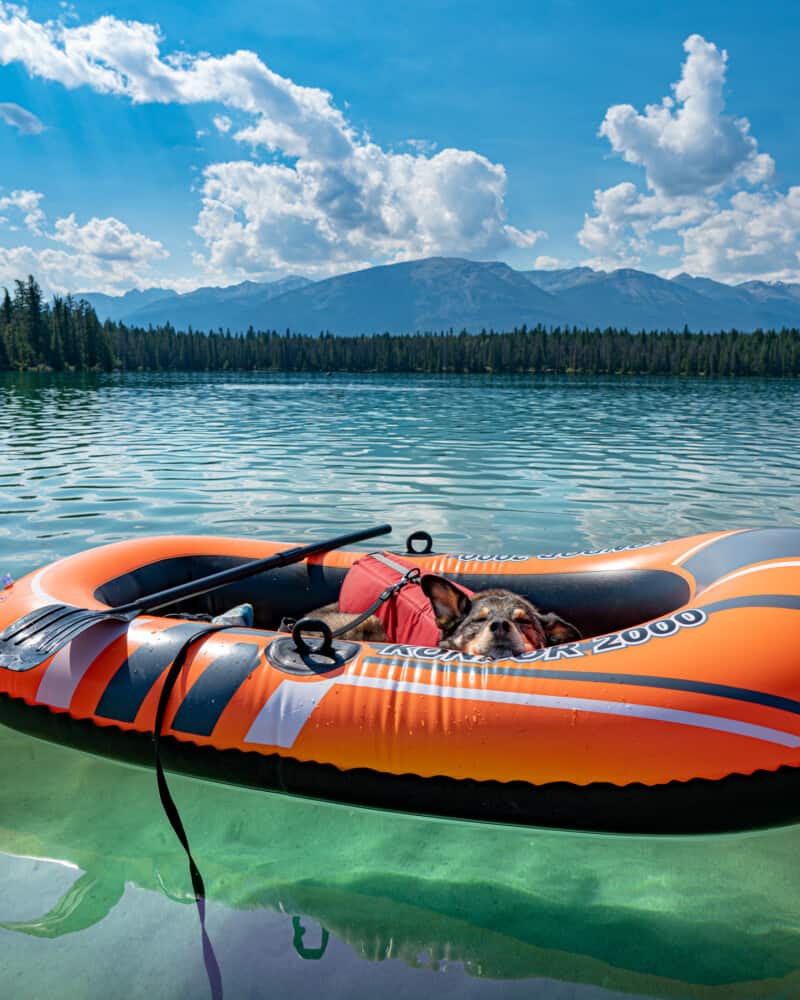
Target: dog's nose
(499, 626)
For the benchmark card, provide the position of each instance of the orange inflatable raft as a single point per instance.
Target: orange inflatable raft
(680, 712)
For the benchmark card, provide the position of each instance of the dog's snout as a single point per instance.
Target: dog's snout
(499, 626)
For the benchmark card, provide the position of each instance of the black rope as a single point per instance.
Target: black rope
(171, 810)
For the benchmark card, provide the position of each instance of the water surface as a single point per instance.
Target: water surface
(308, 896)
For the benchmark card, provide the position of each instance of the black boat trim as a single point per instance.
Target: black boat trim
(698, 806)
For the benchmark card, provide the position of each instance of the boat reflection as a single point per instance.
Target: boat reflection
(661, 917)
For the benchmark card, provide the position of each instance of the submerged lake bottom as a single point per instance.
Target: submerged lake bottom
(95, 897)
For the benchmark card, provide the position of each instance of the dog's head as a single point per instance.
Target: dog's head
(494, 623)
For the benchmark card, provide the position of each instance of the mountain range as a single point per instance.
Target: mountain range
(440, 293)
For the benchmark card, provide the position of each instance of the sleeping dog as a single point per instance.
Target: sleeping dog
(491, 623)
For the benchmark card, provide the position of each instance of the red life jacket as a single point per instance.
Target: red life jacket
(408, 615)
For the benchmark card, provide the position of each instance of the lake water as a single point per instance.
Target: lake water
(309, 897)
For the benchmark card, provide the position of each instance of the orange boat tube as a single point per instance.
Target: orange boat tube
(679, 713)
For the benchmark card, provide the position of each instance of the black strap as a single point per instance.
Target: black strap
(411, 575)
(171, 810)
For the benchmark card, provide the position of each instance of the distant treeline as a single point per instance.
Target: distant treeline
(62, 336)
(68, 336)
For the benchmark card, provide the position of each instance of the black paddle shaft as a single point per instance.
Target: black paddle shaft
(195, 588)
(36, 636)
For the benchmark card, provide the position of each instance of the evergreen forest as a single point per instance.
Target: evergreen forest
(66, 335)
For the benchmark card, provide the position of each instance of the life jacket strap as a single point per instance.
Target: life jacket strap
(411, 575)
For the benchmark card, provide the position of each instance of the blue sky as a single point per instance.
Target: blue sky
(180, 145)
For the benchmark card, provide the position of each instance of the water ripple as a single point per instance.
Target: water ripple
(484, 463)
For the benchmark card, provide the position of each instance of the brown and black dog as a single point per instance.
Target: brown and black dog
(492, 623)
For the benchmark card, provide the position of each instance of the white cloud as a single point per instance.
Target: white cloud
(108, 240)
(21, 119)
(56, 270)
(687, 145)
(102, 254)
(621, 231)
(264, 218)
(758, 236)
(545, 263)
(27, 203)
(335, 200)
(61, 271)
(694, 157)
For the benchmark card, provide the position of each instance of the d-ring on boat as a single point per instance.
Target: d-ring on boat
(680, 713)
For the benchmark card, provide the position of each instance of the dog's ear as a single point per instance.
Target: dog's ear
(449, 603)
(557, 630)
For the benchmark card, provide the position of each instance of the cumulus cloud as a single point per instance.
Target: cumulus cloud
(694, 157)
(20, 118)
(686, 144)
(103, 254)
(265, 217)
(757, 236)
(107, 240)
(626, 222)
(56, 270)
(333, 200)
(26, 203)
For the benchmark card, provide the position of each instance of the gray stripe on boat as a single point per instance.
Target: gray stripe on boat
(210, 694)
(754, 601)
(130, 685)
(742, 549)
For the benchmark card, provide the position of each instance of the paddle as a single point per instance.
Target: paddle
(36, 636)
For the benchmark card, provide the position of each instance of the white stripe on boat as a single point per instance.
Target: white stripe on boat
(286, 711)
(36, 583)
(68, 666)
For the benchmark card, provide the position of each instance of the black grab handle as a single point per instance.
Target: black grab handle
(313, 625)
(419, 536)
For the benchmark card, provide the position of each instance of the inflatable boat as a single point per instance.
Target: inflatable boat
(678, 712)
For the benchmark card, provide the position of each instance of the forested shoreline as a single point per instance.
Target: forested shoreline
(66, 335)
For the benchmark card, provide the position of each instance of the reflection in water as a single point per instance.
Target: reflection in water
(650, 916)
(308, 897)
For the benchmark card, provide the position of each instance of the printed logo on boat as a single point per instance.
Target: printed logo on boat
(504, 557)
(598, 552)
(638, 636)
(477, 557)
(661, 629)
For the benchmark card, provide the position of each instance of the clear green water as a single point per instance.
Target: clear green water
(93, 885)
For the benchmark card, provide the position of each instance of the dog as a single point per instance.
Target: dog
(492, 623)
